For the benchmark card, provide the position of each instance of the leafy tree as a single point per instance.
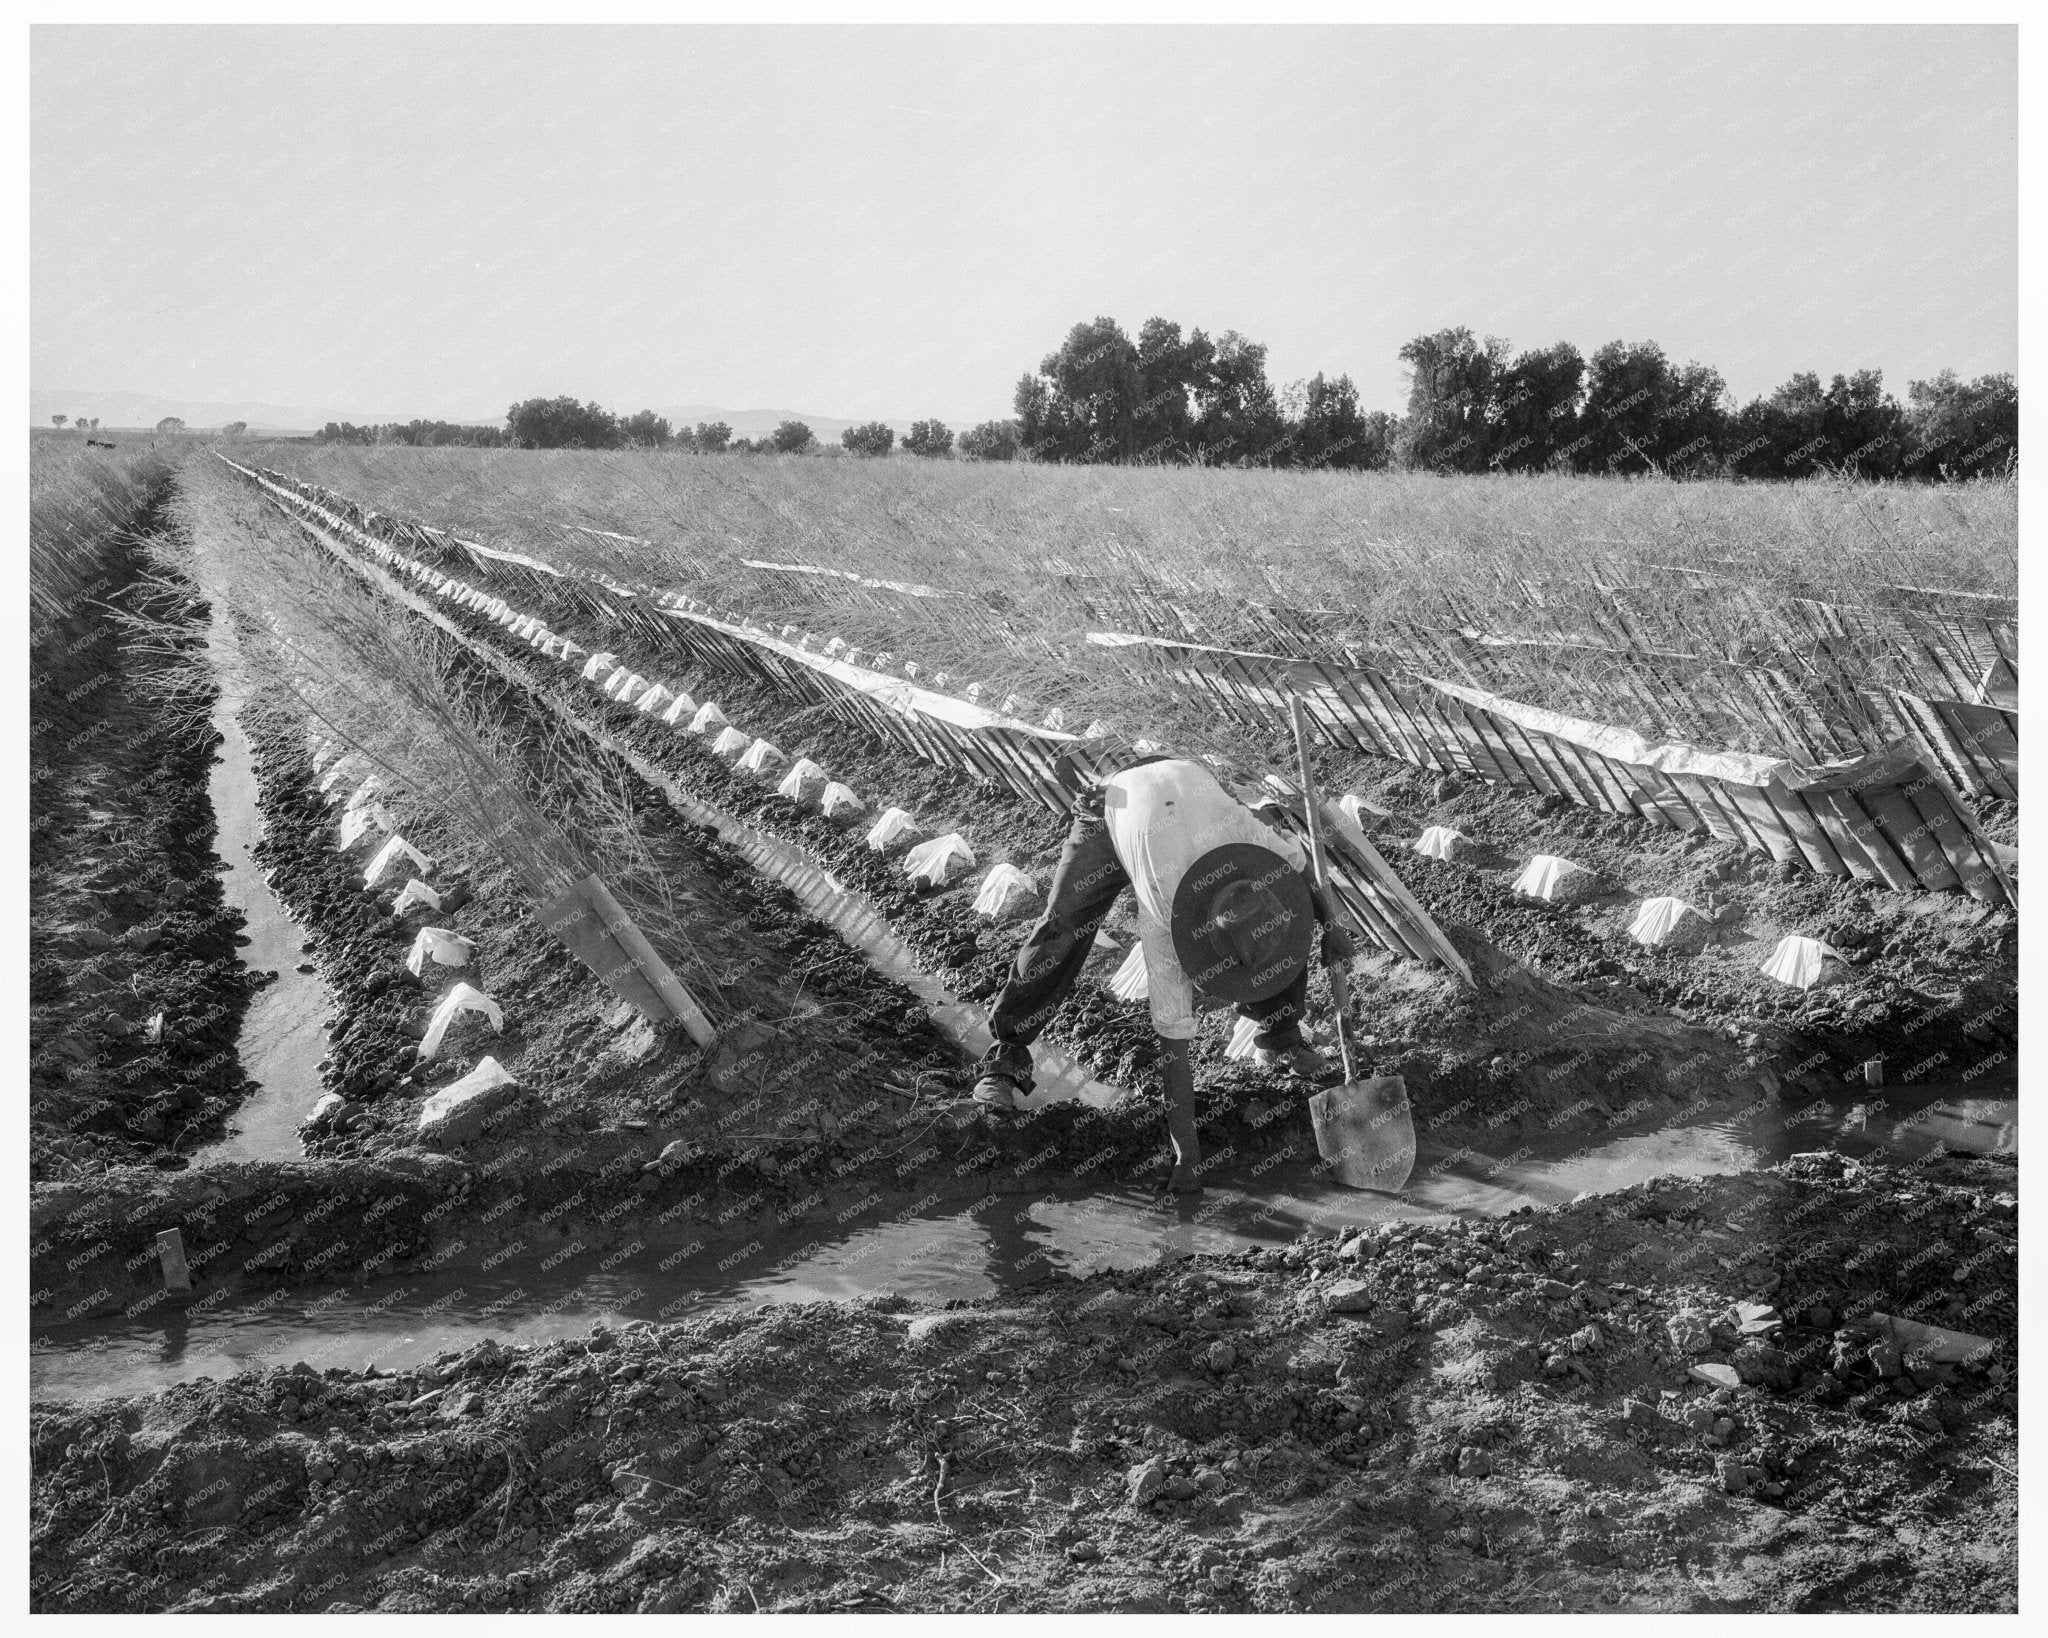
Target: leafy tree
(991, 441)
(1866, 429)
(1643, 415)
(1237, 416)
(1329, 429)
(59, 420)
(1960, 429)
(1783, 435)
(712, 436)
(1452, 382)
(171, 423)
(646, 430)
(1170, 371)
(1033, 404)
(791, 437)
(870, 438)
(1852, 425)
(561, 423)
(928, 438)
(1082, 405)
(1535, 409)
(235, 429)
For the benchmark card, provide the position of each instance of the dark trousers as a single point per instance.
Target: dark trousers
(1084, 890)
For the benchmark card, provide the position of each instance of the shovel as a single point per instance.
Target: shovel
(1364, 1129)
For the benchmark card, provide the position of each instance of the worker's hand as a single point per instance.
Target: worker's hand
(1338, 945)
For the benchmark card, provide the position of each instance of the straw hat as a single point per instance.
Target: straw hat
(1243, 925)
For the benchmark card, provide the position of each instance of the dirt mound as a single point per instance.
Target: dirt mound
(1552, 1411)
(135, 990)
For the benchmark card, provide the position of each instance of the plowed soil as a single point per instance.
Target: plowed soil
(135, 989)
(1554, 1411)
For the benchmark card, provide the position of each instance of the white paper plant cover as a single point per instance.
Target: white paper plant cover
(597, 665)
(356, 823)
(444, 948)
(630, 690)
(680, 710)
(333, 776)
(1132, 981)
(1547, 877)
(1657, 919)
(618, 682)
(760, 757)
(569, 651)
(1438, 842)
(802, 773)
(1001, 888)
(1241, 1046)
(839, 798)
(415, 892)
(731, 741)
(395, 847)
(1798, 961)
(488, 1076)
(893, 823)
(1357, 807)
(707, 718)
(463, 998)
(932, 861)
(653, 700)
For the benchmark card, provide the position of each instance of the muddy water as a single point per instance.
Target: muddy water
(938, 1252)
(282, 1039)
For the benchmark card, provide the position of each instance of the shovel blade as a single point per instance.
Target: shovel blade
(1367, 1133)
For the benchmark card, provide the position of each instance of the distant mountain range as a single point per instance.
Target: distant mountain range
(141, 409)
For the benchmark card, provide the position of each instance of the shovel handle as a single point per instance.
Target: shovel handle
(1340, 985)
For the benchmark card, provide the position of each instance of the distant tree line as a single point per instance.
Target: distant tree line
(564, 423)
(421, 434)
(1475, 406)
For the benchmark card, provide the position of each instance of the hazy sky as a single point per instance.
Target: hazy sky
(902, 221)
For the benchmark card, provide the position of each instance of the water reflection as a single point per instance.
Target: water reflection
(281, 1040)
(934, 1252)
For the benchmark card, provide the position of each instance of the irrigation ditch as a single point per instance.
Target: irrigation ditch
(1540, 1379)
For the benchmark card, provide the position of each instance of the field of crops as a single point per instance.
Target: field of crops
(1577, 583)
(476, 682)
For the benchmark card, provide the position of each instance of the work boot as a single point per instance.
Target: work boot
(1296, 1058)
(998, 1094)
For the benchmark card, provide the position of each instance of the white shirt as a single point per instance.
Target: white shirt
(1161, 818)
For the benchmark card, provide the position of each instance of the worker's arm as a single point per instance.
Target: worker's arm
(1338, 944)
(1180, 1117)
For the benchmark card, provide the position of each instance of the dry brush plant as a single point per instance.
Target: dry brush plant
(82, 501)
(1557, 587)
(396, 691)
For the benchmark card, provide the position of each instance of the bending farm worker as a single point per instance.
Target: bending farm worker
(1226, 916)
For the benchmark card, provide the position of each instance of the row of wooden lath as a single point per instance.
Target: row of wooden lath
(1819, 681)
(1891, 816)
(1015, 754)
(1816, 680)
